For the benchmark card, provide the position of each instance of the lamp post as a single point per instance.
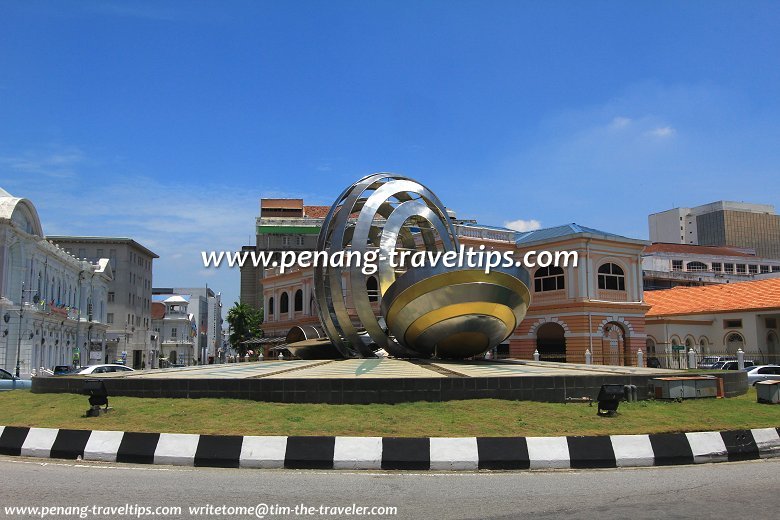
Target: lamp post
(19, 341)
(6, 319)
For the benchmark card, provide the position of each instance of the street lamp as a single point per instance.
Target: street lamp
(19, 341)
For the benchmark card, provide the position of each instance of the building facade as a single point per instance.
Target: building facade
(722, 223)
(53, 306)
(175, 331)
(596, 306)
(129, 297)
(206, 307)
(670, 265)
(283, 225)
(715, 320)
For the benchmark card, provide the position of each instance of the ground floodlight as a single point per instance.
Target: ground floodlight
(98, 396)
(609, 398)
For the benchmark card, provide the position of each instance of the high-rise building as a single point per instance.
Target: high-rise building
(722, 223)
(129, 336)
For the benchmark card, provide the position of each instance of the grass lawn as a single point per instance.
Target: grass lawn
(489, 417)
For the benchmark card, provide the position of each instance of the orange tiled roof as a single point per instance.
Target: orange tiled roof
(316, 211)
(725, 297)
(158, 310)
(686, 249)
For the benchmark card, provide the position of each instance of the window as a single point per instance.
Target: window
(298, 306)
(611, 277)
(372, 288)
(776, 268)
(764, 268)
(299, 240)
(111, 297)
(174, 332)
(752, 269)
(284, 303)
(110, 318)
(100, 253)
(717, 267)
(271, 306)
(771, 323)
(741, 269)
(729, 268)
(285, 240)
(695, 267)
(677, 265)
(548, 279)
(732, 324)
(82, 252)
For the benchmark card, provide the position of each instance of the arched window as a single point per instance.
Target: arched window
(271, 306)
(611, 278)
(688, 344)
(650, 346)
(284, 303)
(298, 305)
(372, 287)
(734, 341)
(548, 279)
(696, 267)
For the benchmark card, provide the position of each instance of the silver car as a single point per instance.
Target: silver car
(10, 382)
(762, 373)
(104, 369)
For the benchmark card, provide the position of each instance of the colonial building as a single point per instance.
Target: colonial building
(174, 330)
(715, 320)
(206, 306)
(670, 265)
(596, 306)
(53, 305)
(129, 297)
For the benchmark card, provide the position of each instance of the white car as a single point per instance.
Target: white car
(762, 373)
(105, 369)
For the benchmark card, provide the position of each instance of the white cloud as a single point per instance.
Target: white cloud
(662, 131)
(620, 122)
(523, 225)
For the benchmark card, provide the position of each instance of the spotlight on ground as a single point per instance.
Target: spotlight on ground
(609, 398)
(98, 396)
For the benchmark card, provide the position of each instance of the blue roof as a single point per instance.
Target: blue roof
(565, 230)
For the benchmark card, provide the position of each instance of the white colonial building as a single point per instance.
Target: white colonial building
(175, 329)
(53, 305)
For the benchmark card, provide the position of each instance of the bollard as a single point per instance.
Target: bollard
(640, 358)
(536, 355)
(691, 358)
(588, 357)
(740, 359)
(260, 356)
(281, 356)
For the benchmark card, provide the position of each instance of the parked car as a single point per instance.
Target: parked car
(710, 361)
(763, 373)
(10, 382)
(105, 369)
(63, 370)
(731, 365)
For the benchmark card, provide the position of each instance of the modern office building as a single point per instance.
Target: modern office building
(722, 223)
(670, 265)
(206, 307)
(129, 297)
(53, 305)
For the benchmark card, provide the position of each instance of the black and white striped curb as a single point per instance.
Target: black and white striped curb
(391, 453)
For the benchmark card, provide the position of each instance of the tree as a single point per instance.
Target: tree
(245, 322)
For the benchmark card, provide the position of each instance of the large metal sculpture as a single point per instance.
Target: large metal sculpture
(429, 310)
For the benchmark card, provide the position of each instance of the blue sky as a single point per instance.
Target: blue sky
(167, 121)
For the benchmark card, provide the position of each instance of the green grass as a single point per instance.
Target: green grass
(489, 417)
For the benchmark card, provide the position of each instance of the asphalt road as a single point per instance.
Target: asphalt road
(726, 490)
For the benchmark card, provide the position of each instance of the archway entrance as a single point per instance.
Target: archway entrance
(613, 346)
(551, 342)
(772, 348)
(734, 341)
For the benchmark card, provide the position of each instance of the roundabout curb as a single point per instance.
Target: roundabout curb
(392, 453)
